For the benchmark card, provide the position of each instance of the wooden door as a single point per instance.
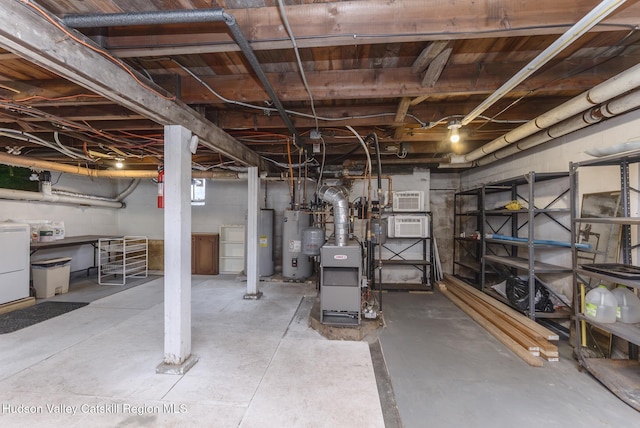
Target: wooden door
(204, 254)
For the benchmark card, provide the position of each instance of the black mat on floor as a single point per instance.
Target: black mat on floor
(22, 318)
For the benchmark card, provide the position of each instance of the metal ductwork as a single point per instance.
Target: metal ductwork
(185, 17)
(337, 196)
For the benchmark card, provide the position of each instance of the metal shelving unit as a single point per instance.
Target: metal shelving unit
(467, 248)
(513, 246)
(621, 376)
(122, 258)
(406, 255)
(518, 251)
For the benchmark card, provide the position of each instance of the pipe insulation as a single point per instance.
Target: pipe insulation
(617, 85)
(23, 195)
(40, 165)
(184, 17)
(337, 196)
(119, 198)
(596, 114)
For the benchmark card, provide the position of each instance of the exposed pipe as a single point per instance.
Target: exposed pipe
(628, 146)
(578, 29)
(119, 198)
(596, 114)
(338, 197)
(23, 195)
(617, 85)
(41, 165)
(161, 17)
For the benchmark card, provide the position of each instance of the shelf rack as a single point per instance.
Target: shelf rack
(621, 376)
(405, 253)
(122, 258)
(505, 239)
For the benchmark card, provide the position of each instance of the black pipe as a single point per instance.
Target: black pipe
(374, 136)
(184, 17)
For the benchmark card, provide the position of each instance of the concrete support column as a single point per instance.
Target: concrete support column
(177, 252)
(253, 199)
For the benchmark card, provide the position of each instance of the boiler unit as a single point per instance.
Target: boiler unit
(295, 264)
(340, 276)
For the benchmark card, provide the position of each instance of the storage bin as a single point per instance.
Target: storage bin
(51, 276)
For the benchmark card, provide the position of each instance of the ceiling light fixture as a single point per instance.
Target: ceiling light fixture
(454, 135)
(119, 163)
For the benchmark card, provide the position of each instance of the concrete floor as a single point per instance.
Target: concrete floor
(447, 371)
(261, 365)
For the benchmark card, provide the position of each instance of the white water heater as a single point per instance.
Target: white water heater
(295, 264)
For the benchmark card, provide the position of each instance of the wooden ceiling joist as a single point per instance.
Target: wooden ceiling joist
(32, 36)
(435, 68)
(381, 21)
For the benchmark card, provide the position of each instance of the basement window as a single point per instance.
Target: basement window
(197, 191)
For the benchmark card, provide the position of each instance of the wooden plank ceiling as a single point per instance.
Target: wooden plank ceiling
(401, 69)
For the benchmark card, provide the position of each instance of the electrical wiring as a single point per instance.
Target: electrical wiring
(68, 97)
(85, 127)
(274, 110)
(366, 149)
(285, 20)
(362, 36)
(30, 138)
(94, 48)
(324, 152)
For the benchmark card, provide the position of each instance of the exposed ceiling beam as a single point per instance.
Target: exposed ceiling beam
(33, 37)
(339, 84)
(428, 55)
(403, 108)
(435, 68)
(459, 79)
(346, 23)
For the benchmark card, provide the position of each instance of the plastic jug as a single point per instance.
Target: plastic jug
(601, 305)
(628, 305)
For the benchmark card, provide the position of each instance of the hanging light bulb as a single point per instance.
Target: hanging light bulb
(454, 135)
(119, 163)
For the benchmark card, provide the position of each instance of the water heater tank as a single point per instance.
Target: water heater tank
(295, 264)
(312, 240)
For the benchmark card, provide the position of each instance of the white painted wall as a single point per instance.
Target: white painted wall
(78, 220)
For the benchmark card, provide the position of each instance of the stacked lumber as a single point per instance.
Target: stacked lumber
(526, 338)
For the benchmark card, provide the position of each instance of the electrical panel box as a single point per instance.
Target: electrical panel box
(408, 226)
(411, 200)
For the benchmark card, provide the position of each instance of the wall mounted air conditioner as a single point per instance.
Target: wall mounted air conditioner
(411, 200)
(408, 226)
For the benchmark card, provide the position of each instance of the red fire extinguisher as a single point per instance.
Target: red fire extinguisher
(161, 188)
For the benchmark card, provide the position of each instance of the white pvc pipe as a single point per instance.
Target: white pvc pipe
(23, 195)
(611, 88)
(612, 108)
(585, 24)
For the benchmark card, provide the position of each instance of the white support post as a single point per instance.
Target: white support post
(177, 252)
(252, 234)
